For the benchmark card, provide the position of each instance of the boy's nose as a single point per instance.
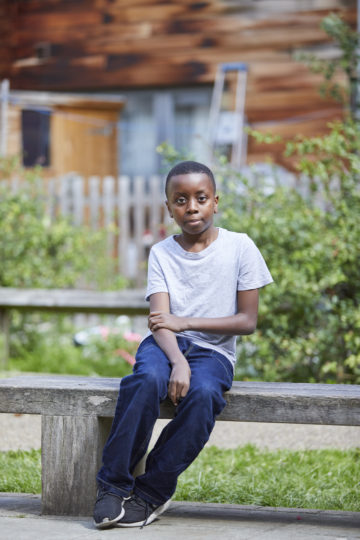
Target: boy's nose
(192, 206)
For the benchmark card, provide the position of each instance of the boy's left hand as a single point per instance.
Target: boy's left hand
(160, 319)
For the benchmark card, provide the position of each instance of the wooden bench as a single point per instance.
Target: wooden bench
(77, 412)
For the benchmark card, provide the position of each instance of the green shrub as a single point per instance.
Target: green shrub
(34, 251)
(309, 320)
(45, 345)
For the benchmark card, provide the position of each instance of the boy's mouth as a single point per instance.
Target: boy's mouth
(193, 221)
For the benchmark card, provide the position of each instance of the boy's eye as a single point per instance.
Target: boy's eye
(180, 200)
(202, 198)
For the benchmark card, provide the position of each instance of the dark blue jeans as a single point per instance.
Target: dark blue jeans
(138, 408)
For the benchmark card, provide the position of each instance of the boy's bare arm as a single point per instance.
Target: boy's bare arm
(242, 323)
(180, 375)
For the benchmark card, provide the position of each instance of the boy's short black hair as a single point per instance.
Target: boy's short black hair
(188, 167)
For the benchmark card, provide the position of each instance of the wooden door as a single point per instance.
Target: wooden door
(84, 140)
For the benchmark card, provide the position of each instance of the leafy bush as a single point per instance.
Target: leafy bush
(37, 252)
(309, 320)
(34, 251)
(45, 345)
(345, 64)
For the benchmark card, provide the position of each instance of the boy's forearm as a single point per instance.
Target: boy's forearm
(238, 324)
(179, 381)
(241, 323)
(167, 342)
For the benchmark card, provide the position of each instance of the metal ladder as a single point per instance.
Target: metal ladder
(226, 127)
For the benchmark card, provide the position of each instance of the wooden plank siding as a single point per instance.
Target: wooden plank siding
(92, 45)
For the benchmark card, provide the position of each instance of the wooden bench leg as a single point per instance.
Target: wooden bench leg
(71, 456)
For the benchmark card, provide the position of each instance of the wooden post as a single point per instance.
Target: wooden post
(109, 213)
(5, 331)
(139, 223)
(124, 224)
(71, 456)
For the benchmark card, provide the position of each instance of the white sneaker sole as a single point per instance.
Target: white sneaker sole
(160, 510)
(106, 523)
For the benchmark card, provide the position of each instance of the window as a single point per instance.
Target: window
(177, 116)
(35, 129)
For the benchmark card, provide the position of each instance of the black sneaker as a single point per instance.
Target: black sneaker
(139, 513)
(108, 509)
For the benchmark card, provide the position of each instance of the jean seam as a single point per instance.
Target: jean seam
(121, 492)
(147, 497)
(217, 357)
(188, 350)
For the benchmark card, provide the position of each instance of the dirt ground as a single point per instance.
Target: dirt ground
(24, 432)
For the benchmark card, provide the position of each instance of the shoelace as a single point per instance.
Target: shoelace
(147, 514)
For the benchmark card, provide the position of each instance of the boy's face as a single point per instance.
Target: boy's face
(192, 202)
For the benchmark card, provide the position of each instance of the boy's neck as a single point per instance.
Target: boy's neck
(196, 243)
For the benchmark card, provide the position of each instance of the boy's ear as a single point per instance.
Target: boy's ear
(168, 207)
(216, 199)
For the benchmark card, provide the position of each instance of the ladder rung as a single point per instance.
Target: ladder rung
(233, 66)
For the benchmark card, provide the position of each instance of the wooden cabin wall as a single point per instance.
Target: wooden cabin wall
(6, 40)
(97, 45)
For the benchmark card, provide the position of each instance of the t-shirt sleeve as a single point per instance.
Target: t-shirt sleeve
(253, 272)
(156, 280)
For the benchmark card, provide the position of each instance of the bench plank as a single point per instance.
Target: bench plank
(124, 302)
(303, 403)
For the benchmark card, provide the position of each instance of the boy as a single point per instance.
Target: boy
(203, 290)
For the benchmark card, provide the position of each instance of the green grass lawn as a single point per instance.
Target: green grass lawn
(324, 479)
(20, 471)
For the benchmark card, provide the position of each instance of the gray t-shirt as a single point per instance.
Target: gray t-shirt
(205, 284)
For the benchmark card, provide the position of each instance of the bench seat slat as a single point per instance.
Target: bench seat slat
(247, 401)
(131, 302)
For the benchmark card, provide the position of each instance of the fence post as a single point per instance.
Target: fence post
(94, 199)
(124, 223)
(109, 207)
(139, 223)
(64, 200)
(155, 206)
(77, 194)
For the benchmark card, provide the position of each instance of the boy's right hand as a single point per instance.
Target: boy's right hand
(179, 381)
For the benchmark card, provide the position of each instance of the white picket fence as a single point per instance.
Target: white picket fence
(131, 210)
